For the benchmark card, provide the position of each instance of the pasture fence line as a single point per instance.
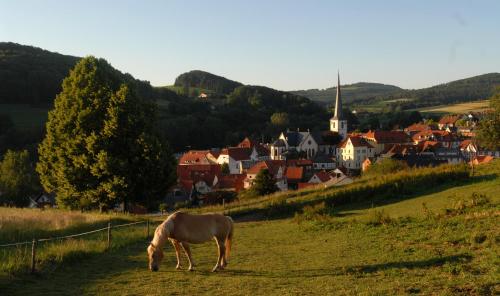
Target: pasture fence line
(35, 242)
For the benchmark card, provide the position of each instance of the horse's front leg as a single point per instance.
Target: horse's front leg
(187, 250)
(177, 247)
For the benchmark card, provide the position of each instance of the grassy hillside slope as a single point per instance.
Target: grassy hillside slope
(427, 250)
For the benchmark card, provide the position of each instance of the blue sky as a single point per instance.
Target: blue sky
(281, 44)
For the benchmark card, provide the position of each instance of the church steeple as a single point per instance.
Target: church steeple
(337, 122)
(338, 101)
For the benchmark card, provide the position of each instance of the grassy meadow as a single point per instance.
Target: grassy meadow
(20, 225)
(440, 240)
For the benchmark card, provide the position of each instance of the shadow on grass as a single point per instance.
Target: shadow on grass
(356, 269)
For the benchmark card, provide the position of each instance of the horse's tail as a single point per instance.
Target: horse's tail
(229, 237)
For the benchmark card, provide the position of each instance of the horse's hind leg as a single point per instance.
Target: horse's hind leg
(177, 252)
(187, 250)
(222, 250)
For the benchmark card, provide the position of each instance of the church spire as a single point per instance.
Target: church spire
(338, 100)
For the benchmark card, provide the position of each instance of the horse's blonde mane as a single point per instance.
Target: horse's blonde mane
(162, 233)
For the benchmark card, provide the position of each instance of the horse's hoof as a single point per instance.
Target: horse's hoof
(178, 267)
(191, 269)
(214, 269)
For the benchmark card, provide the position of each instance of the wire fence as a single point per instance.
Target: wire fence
(35, 241)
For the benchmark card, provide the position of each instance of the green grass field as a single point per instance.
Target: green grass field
(449, 247)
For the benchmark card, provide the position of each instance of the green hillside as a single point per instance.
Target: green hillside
(350, 92)
(31, 75)
(442, 240)
(464, 90)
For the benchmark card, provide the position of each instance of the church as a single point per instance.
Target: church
(311, 145)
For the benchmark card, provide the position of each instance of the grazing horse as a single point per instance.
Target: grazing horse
(183, 229)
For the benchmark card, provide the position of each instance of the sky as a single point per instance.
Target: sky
(287, 45)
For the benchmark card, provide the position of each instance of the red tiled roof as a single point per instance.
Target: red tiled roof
(382, 137)
(247, 143)
(356, 141)
(483, 159)
(195, 157)
(417, 127)
(465, 143)
(426, 145)
(299, 162)
(271, 165)
(399, 149)
(234, 181)
(186, 172)
(294, 173)
(449, 119)
(237, 153)
(323, 176)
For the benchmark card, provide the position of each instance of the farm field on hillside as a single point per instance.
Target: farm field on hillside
(477, 106)
(452, 255)
(427, 252)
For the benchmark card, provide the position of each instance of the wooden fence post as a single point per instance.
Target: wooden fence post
(109, 235)
(33, 256)
(147, 228)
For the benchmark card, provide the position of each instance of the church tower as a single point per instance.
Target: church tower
(337, 122)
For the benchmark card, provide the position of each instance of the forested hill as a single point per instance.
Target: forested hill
(469, 89)
(30, 74)
(463, 90)
(236, 112)
(350, 92)
(207, 81)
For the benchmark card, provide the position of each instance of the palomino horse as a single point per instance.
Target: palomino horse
(183, 229)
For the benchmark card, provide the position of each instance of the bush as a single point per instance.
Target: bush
(378, 217)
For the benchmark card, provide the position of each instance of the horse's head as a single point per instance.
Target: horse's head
(155, 256)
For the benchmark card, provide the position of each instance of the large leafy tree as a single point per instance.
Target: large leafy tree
(18, 180)
(101, 146)
(264, 183)
(488, 133)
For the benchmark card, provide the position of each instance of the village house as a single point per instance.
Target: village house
(353, 151)
(233, 157)
(448, 121)
(294, 142)
(381, 139)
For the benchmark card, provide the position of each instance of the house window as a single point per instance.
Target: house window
(333, 123)
(342, 124)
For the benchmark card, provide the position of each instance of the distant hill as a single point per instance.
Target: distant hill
(31, 75)
(464, 90)
(208, 81)
(350, 92)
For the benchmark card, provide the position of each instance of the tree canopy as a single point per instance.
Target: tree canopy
(264, 183)
(18, 180)
(488, 133)
(102, 146)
